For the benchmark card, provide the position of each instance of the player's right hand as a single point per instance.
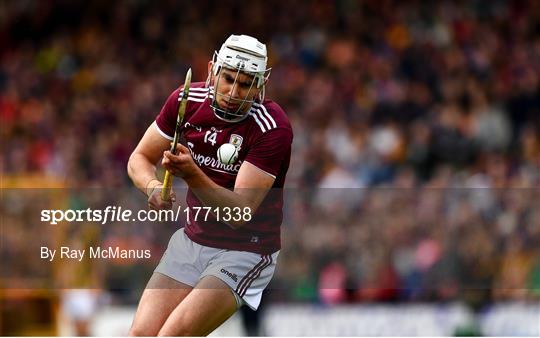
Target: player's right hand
(156, 203)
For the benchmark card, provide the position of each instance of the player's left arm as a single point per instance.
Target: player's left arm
(251, 186)
(255, 177)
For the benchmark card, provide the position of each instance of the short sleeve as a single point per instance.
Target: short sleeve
(166, 120)
(271, 150)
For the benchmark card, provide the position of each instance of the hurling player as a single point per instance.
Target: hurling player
(213, 266)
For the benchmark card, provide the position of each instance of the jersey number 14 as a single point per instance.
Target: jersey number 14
(210, 137)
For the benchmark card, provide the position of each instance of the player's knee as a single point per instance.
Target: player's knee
(180, 331)
(138, 331)
(183, 326)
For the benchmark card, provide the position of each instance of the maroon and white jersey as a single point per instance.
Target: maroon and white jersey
(263, 138)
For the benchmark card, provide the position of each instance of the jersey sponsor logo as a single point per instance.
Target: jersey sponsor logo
(189, 125)
(236, 140)
(233, 276)
(213, 163)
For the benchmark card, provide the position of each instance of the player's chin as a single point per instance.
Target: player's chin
(228, 104)
(235, 108)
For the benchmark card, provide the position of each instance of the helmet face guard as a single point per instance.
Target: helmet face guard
(240, 55)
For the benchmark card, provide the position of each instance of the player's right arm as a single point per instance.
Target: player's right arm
(142, 167)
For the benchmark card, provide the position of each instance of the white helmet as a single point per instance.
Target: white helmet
(241, 53)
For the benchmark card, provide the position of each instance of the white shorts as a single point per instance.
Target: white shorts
(246, 273)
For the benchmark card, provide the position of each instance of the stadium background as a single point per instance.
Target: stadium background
(413, 189)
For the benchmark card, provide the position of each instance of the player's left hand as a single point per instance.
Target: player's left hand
(181, 164)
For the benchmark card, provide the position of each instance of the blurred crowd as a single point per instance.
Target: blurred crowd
(417, 122)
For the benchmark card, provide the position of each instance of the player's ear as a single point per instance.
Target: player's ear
(210, 77)
(210, 64)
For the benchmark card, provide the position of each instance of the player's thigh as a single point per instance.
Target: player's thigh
(161, 296)
(207, 306)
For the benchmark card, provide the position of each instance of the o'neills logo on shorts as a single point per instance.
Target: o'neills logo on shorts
(214, 163)
(233, 276)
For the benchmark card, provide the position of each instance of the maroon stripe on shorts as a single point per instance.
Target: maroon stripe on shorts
(261, 262)
(253, 277)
